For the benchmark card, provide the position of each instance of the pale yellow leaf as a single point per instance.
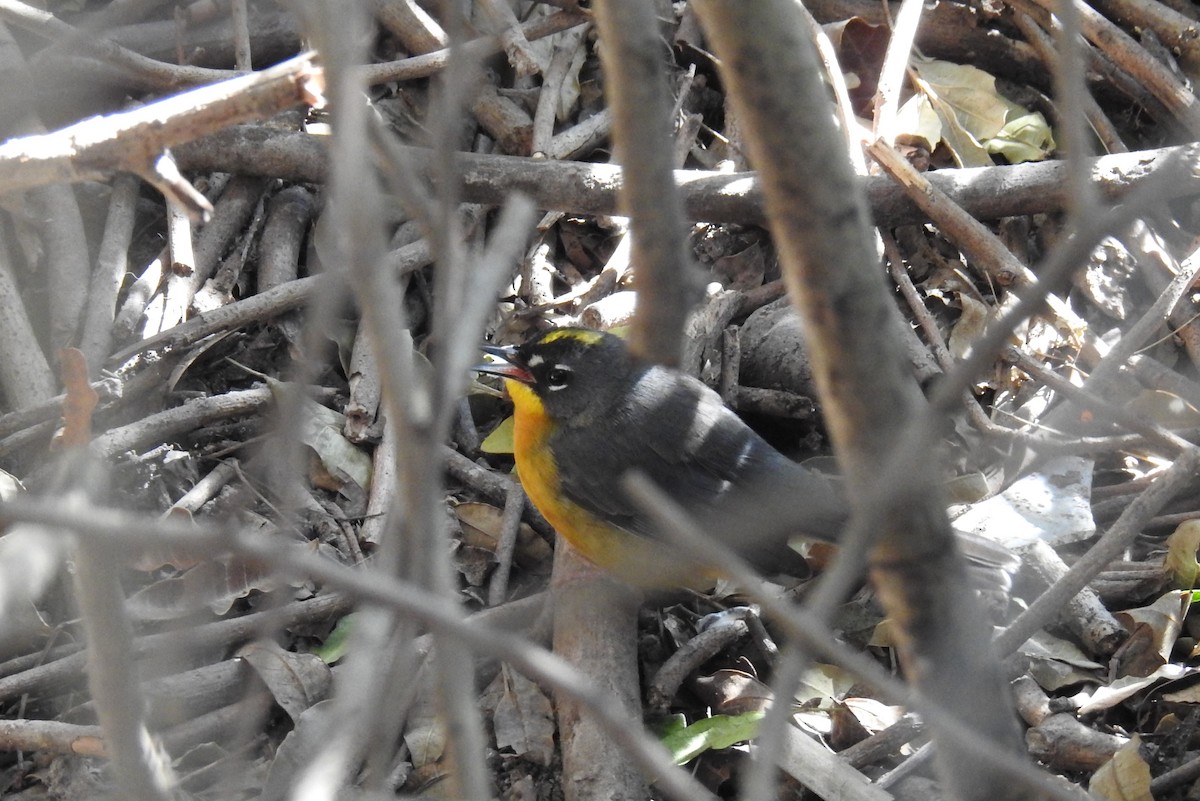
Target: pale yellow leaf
(1125, 777)
(1182, 547)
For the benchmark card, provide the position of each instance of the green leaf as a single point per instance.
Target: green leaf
(1181, 561)
(501, 438)
(1025, 137)
(975, 120)
(337, 644)
(671, 724)
(719, 731)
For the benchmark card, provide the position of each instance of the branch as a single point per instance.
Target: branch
(580, 188)
(133, 141)
(819, 219)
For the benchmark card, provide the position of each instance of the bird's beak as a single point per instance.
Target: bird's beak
(510, 364)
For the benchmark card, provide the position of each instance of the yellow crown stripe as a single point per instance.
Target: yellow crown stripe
(580, 334)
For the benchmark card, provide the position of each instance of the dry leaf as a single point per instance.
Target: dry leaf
(296, 681)
(523, 717)
(1125, 777)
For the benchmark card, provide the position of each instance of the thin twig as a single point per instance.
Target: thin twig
(123, 530)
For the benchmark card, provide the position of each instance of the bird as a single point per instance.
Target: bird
(587, 412)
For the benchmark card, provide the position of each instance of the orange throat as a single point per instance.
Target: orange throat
(636, 559)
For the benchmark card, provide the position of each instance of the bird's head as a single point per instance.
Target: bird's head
(575, 374)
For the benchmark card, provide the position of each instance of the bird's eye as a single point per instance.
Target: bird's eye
(558, 377)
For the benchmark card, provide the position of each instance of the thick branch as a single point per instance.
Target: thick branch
(636, 87)
(132, 141)
(579, 188)
(820, 222)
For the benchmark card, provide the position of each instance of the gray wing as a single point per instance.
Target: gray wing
(682, 437)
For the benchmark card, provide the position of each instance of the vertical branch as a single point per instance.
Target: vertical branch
(355, 226)
(61, 223)
(142, 772)
(142, 769)
(111, 266)
(639, 99)
(632, 55)
(821, 225)
(25, 375)
(894, 70)
(1070, 91)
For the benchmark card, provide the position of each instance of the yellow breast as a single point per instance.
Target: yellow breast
(636, 559)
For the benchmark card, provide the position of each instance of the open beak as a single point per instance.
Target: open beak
(509, 364)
